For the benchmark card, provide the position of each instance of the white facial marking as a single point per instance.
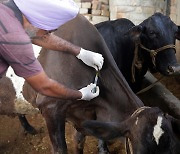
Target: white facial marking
(18, 81)
(157, 133)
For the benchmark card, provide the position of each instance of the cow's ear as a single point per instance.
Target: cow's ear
(135, 32)
(178, 33)
(175, 124)
(105, 130)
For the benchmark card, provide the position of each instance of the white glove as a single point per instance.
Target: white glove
(88, 93)
(90, 58)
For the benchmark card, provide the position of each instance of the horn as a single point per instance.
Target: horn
(24, 107)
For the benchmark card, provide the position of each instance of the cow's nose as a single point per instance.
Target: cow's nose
(174, 70)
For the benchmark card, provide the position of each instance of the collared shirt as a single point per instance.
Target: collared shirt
(15, 46)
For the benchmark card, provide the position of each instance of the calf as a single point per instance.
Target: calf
(148, 129)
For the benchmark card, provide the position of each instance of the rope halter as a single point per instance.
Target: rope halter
(128, 143)
(153, 53)
(138, 64)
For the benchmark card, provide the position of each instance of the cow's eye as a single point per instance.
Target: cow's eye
(152, 34)
(165, 115)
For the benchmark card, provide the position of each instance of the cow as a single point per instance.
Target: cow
(12, 105)
(147, 46)
(116, 102)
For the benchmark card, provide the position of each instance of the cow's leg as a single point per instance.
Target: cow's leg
(79, 140)
(27, 127)
(56, 128)
(102, 147)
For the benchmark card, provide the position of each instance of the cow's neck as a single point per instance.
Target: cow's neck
(118, 95)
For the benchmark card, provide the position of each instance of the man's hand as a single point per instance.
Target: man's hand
(90, 58)
(87, 92)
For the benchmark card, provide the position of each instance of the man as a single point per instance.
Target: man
(36, 18)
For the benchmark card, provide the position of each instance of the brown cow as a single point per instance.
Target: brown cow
(145, 128)
(12, 106)
(7, 97)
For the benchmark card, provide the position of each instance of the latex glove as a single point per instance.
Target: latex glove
(90, 58)
(87, 92)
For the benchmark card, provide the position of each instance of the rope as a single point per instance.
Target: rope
(159, 49)
(150, 86)
(153, 53)
(133, 62)
(128, 145)
(138, 110)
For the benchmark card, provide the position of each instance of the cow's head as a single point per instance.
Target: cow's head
(157, 34)
(148, 131)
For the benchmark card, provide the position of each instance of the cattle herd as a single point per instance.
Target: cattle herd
(117, 111)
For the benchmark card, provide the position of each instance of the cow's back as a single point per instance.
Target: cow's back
(7, 96)
(119, 42)
(68, 70)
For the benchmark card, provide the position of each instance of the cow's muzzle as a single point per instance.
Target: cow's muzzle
(173, 70)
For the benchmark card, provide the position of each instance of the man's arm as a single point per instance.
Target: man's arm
(46, 86)
(53, 42)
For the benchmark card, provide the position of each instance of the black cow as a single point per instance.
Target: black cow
(149, 45)
(116, 103)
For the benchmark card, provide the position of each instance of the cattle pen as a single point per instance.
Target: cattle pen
(13, 138)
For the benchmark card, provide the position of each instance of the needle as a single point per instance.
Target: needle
(95, 82)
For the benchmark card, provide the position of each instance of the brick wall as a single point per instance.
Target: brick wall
(94, 10)
(175, 16)
(136, 10)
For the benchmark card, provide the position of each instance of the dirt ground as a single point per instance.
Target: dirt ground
(13, 139)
